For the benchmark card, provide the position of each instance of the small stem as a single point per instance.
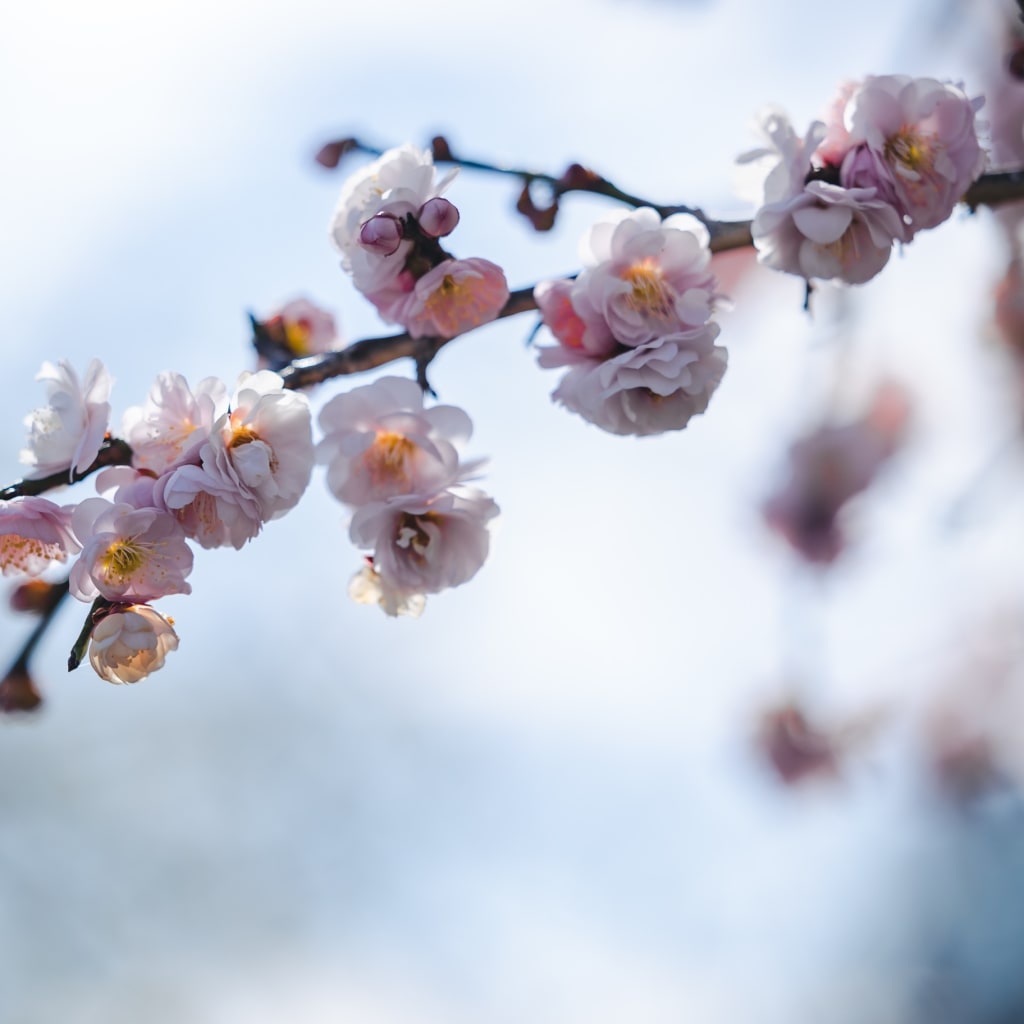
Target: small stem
(77, 655)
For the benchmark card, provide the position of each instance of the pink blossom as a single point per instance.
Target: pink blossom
(827, 232)
(128, 553)
(923, 133)
(34, 534)
(778, 170)
(655, 387)
(254, 467)
(645, 277)
(66, 434)
(379, 441)
(131, 643)
(453, 297)
(422, 545)
(829, 467)
(174, 423)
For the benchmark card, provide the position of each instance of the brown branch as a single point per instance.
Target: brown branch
(113, 452)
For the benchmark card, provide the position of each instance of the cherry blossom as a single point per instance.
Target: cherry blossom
(456, 296)
(131, 643)
(169, 429)
(422, 545)
(128, 553)
(66, 434)
(379, 441)
(34, 535)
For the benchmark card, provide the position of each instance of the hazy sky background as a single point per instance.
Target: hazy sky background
(538, 802)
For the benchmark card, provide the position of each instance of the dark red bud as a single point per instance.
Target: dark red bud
(18, 692)
(440, 149)
(331, 152)
(542, 218)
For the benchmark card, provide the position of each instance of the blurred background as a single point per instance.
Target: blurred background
(648, 765)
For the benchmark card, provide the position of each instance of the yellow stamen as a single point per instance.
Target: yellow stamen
(652, 295)
(122, 558)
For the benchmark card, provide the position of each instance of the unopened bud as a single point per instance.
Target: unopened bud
(438, 217)
(18, 692)
(381, 234)
(330, 153)
(36, 597)
(440, 149)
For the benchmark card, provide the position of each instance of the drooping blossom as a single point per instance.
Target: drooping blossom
(34, 535)
(254, 467)
(379, 441)
(454, 297)
(830, 466)
(131, 643)
(828, 233)
(175, 421)
(66, 433)
(367, 587)
(128, 554)
(646, 390)
(423, 545)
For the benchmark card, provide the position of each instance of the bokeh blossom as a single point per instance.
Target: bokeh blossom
(828, 467)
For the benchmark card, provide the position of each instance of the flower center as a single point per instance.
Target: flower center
(651, 294)
(910, 150)
(297, 334)
(414, 535)
(242, 435)
(385, 460)
(122, 559)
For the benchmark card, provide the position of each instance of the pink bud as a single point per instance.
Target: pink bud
(381, 234)
(438, 217)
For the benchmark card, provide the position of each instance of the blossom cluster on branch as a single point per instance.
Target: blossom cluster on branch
(633, 331)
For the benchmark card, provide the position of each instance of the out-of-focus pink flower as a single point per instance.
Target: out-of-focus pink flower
(68, 431)
(795, 749)
(367, 587)
(924, 132)
(422, 545)
(170, 428)
(453, 297)
(655, 387)
(34, 534)
(131, 643)
(829, 467)
(827, 232)
(302, 328)
(128, 554)
(379, 441)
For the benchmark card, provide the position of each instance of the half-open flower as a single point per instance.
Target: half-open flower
(131, 643)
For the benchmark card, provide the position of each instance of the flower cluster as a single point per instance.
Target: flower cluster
(204, 468)
(893, 157)
(634, 327)
(396, 465)
(388, 225)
